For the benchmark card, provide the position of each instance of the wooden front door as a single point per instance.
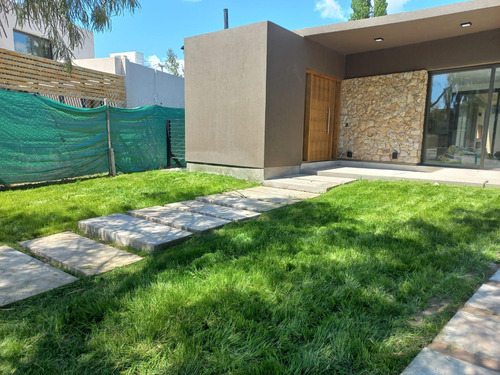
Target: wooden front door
(321, 117)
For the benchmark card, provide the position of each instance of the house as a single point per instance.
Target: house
(420, 87)
(32, 40)
(144, 85)
(28, 65)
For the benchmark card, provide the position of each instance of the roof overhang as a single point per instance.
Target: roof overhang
(407, 28)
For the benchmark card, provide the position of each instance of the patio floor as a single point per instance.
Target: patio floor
(379, 171)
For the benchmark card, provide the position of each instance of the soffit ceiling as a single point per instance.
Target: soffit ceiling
(407, 28)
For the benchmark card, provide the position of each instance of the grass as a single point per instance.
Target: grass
(335, 284)
(33, 212)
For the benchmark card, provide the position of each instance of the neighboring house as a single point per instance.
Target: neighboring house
(420, 87)
(33, 41)
(144, 85)
(27, 65)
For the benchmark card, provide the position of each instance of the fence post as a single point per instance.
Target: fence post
(111, 152)
(169, 145)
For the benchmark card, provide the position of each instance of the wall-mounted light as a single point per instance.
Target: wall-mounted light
(466, 24)
(378, 39)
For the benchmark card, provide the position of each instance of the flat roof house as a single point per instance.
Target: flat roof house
(420, 87)
(33, 40)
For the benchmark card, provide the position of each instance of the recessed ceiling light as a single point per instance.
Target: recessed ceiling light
(466, 24)
(378, 39)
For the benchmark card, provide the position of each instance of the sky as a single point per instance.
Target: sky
(163, 24)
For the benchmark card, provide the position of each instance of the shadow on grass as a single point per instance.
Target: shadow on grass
(324, 291)
(32, 185)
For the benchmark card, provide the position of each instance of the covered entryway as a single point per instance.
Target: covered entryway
(321, 117)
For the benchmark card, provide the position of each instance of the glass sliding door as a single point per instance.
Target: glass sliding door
(462, 116)
(492, 147)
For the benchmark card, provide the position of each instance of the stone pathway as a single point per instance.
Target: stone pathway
(208, 209)
(148, 229)
(22, 276)
(79, 254)
(308, 183)
(271, 194)
(241, 203)
(184, 220)
(126, 230)
(470, 342)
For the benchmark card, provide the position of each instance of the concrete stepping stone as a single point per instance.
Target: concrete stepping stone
(240, 203)
(496, 276)
(270, 194)
(307, 183)
(185, 220)
(126, 230)
(487, 298)
(430, 362)
(362, 173)
(473, 333)
(22, 276)
(222, 212)
(311, 177)
(79, 254)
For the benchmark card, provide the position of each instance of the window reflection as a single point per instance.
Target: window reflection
(456, 120)
(31, 44)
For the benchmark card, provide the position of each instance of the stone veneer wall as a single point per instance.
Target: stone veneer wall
(384, 114)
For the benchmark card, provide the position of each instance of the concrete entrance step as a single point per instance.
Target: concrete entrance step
(222, 212)
(440, 175)
(240, 202)
(22, 276)
(79, 254)
(126, 230)
(270, 194)
(307, 183)
(185, 220)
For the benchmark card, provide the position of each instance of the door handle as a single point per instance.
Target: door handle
(328, 124)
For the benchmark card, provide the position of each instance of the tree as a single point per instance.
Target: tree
(364, 9)
(64, 21)
(360, 9)
(172, 64)
(380, 8)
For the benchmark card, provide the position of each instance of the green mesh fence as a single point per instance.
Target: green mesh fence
(44, 140)
(177, 142)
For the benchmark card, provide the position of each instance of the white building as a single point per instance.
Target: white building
(31, 40)
(144, 86)
(134, 56)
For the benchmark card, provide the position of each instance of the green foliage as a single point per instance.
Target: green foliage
(65, 19)
(380, 8)
(172, 64)
(363, 9)
(33, 212)
(329, 285)
(360, 9)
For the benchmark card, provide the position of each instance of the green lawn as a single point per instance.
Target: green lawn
(34, 212)
(336, 284)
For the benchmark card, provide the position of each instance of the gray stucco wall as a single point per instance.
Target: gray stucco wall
(288, 57)
(245, 95)
(146, 86)
(225, 90)
(474, 49)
